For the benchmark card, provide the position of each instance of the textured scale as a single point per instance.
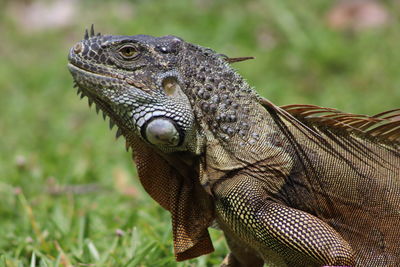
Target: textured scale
(297, 185)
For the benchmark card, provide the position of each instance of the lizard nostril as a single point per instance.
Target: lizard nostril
(78, 48)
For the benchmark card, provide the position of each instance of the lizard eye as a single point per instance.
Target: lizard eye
(128, 52)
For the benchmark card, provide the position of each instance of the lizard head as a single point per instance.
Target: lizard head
(134, 80)
(171, 93)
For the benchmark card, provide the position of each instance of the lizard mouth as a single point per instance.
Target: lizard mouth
(84, 76)
(81, 74)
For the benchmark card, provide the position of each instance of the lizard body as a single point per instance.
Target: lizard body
(297, 185)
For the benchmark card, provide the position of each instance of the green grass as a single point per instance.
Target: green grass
(63, 177)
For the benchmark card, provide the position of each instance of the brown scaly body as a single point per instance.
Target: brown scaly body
(297, 185)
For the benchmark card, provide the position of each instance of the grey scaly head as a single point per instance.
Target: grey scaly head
(148, 85)
(134, 81)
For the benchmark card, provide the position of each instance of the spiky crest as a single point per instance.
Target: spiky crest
(384, 126)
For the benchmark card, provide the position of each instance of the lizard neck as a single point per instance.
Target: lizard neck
(238, 130)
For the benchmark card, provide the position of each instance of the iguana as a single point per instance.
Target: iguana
(296, 185)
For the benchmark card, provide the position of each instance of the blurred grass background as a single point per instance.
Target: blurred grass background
(69, 193)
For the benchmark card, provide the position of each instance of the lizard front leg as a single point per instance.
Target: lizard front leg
(281, 235)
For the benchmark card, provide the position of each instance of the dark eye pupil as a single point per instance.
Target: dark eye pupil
(128, 51)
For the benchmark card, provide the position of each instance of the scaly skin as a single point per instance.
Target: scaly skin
(286, 189)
